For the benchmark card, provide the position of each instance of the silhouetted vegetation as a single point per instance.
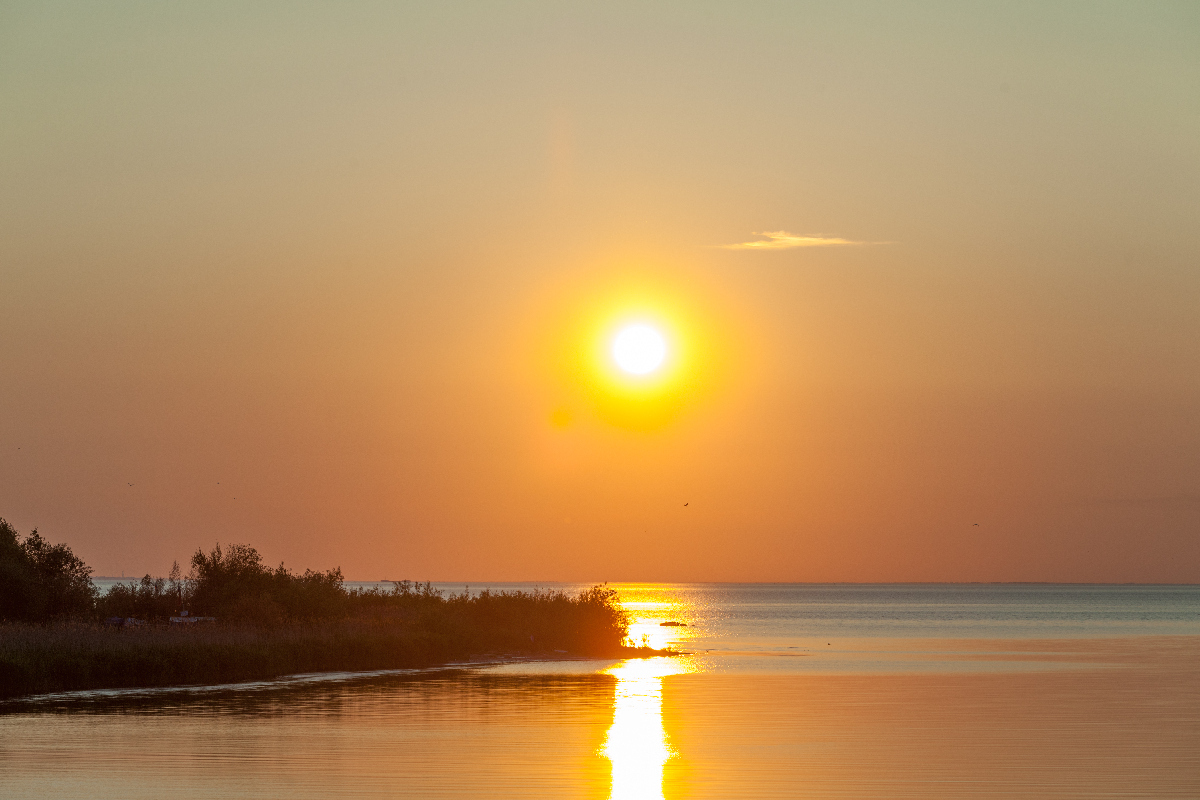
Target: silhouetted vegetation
(234, 584)
(156, 599)
(270, 622)
(41, 582)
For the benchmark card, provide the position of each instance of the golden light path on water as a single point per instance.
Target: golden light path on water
(637, 744)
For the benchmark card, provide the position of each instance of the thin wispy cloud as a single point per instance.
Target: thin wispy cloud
(782, 240)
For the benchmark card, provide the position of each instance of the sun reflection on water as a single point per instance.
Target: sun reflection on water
(651, 606)
(637, 743)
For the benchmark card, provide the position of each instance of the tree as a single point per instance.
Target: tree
(18, 586)
(233, 584)
(150, 598)
(40, 581)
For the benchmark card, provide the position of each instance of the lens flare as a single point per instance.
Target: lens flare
(639, 349)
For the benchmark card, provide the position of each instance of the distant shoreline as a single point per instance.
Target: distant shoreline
(486, 585)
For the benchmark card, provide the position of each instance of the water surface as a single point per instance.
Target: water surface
(973, 691)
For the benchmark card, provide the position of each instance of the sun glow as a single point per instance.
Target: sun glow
(636, 349)
(639, 349)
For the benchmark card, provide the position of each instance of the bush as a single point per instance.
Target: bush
(271, 622)
(234, 585)
(149, 599)
(40, 581)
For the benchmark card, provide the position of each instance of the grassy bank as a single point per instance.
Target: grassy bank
(390, 630)
(270, 621)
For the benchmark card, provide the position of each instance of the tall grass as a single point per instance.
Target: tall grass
(270, 622)
(408, 626)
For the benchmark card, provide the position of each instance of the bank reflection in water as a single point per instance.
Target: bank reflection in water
(637, 743)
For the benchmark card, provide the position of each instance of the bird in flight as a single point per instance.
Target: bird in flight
(131, 484)
(685, 504)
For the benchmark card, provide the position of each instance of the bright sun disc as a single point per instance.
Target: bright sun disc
(639, 349)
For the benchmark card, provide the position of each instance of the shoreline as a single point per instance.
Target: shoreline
(38, 660)
(306, 679)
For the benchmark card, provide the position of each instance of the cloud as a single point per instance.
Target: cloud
(782, 240)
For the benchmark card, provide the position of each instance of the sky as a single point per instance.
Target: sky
(337, 280)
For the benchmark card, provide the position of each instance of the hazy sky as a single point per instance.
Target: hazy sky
(324, 278)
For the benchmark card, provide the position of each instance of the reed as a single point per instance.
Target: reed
(270, 622)
(405, 627)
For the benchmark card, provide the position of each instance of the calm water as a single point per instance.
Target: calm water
(786, 691)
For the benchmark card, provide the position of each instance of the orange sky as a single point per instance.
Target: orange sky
(350, 266)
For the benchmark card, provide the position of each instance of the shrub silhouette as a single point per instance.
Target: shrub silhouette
(234, 585)
(270, 622)
(148, 599)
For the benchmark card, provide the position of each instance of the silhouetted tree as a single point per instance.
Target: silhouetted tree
(150, 598)
(40, 581)
(233, 584)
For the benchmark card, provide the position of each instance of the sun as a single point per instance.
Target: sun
(636, 351)
(639, 349)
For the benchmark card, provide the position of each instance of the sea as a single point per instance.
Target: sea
(775, 691)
